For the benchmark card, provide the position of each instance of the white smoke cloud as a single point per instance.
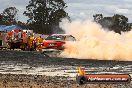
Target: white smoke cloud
(93, 42)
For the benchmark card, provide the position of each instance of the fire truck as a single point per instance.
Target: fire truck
(18, 39)
(3, 36)
(14, 39)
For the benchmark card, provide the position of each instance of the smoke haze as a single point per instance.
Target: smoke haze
(93, 42)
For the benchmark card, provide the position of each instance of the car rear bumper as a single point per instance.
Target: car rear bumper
(48, 50)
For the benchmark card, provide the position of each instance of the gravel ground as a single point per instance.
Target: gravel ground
(39, 81)
(34, 59)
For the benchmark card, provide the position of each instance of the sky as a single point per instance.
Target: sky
(19, 4)
(80, 9)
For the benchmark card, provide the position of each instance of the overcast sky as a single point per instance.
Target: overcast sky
(19, 4)
(80, 9)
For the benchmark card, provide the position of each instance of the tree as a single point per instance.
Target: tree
(10, 15)
(117, 23)
(45, 15)
(97, 17)
(120, 21)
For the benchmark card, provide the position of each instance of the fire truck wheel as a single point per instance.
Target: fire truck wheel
(81, 80)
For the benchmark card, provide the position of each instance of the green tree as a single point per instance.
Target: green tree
(10, 15)
(117, 23)
(97, 17)
(120, 22)
(45, 15)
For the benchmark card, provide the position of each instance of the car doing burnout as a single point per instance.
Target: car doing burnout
(57, 41)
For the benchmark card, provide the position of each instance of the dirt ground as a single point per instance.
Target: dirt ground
(34, 59)
(35, 81)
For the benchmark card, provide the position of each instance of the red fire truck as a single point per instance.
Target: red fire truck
(14, 39)
(3, 36)
(19, 39)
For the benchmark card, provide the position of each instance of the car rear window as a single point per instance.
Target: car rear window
(59, 37)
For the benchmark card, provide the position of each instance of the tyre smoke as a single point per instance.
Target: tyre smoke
(94, 42)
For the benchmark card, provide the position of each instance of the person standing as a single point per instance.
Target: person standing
(39, 44)
(24, 35)
(30, 43)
